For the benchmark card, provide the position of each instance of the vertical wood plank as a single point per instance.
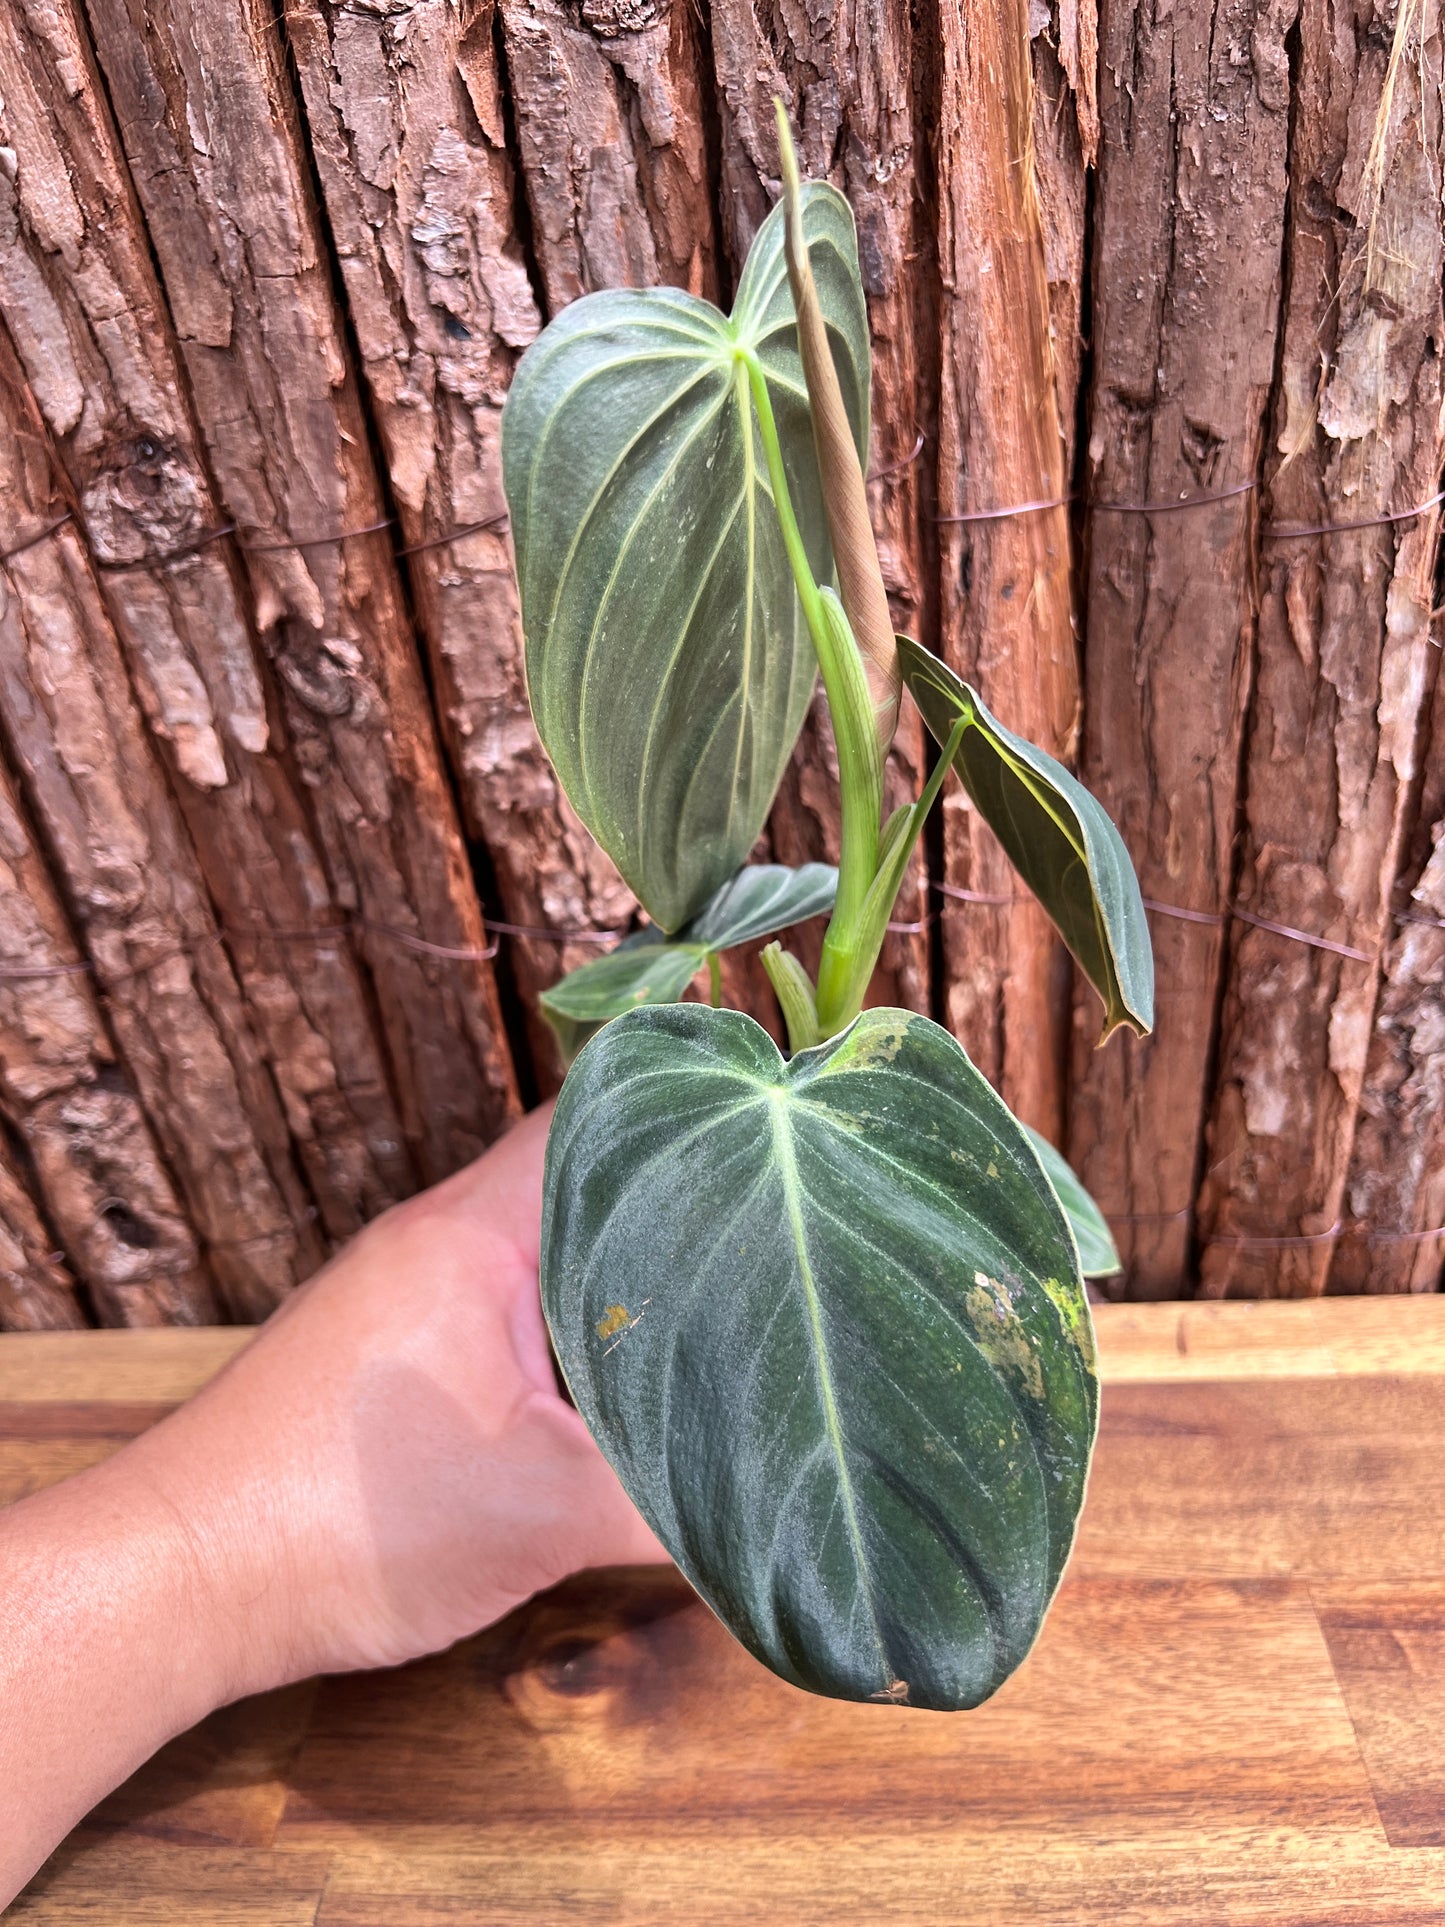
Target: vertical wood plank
(1006, 615)
(1395, 1194)
(1190, 228)
(609, 117)
(98, 1172)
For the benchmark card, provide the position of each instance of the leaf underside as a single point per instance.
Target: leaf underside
(1098, 1254)
(826, 1321)
(1058, 837)
(668, 663)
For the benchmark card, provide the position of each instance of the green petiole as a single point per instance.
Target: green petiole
(860, 762)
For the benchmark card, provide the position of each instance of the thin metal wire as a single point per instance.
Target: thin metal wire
(455, 535)
(13, 973)
(1149, 1217)
(163, 558)
(39, 536)
(1304, 936)
(323, 934)
(975, 896)
(1300, 1238)
(1173, 508)
(1273, 531)
(317, 541)
(907, 461)
(1003, 514)
(1291, 532)
(1183, 915)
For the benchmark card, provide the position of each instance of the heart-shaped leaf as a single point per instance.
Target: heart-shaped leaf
(1057, 836)
(668, 662)
(648, 968)
(1098, 1254)
(825, 1319)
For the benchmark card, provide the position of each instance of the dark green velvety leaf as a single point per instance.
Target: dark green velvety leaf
(668, 662)
(825, 1319)
(1098, 1254)
(759, 901)
(1058, 838)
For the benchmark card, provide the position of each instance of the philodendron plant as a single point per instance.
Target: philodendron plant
(824, 1312)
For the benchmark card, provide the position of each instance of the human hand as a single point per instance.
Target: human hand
(387, 1467)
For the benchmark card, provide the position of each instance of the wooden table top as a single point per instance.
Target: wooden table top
(1236, 1711)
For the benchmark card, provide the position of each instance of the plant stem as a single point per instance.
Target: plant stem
(714, 980)
(845, 683)
(847, 998)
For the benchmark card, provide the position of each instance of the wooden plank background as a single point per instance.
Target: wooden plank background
(282, 865)
(1233, 1712)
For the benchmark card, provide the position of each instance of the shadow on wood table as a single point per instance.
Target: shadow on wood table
(1234, 1712)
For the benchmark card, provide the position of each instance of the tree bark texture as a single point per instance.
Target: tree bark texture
(37, 1292)
(71, 1108)
(78, 292)
(1161, 284)
(129, 878)
(1344, 653)
(1188, 261)
(209, 123)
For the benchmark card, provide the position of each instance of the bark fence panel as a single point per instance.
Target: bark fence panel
(276, 271)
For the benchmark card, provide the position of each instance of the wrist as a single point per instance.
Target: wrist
(117, 1632)
(218, 1560)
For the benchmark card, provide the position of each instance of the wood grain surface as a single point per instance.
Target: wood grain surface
(1233, 1713)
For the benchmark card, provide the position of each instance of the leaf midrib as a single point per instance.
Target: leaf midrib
(792, 1200)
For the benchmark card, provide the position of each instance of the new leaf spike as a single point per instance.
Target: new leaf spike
(845, 495)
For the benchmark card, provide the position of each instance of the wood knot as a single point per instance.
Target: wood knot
(145, 500)
(317, 672)
(611, 19)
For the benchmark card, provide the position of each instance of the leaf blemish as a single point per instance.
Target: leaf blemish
(1001, 1335)
(616, 1320)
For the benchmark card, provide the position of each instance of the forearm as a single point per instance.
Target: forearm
(111, 1641)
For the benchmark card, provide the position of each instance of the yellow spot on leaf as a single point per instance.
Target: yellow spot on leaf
(615, 1317)
(877, 1040)
(1074, 1310)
